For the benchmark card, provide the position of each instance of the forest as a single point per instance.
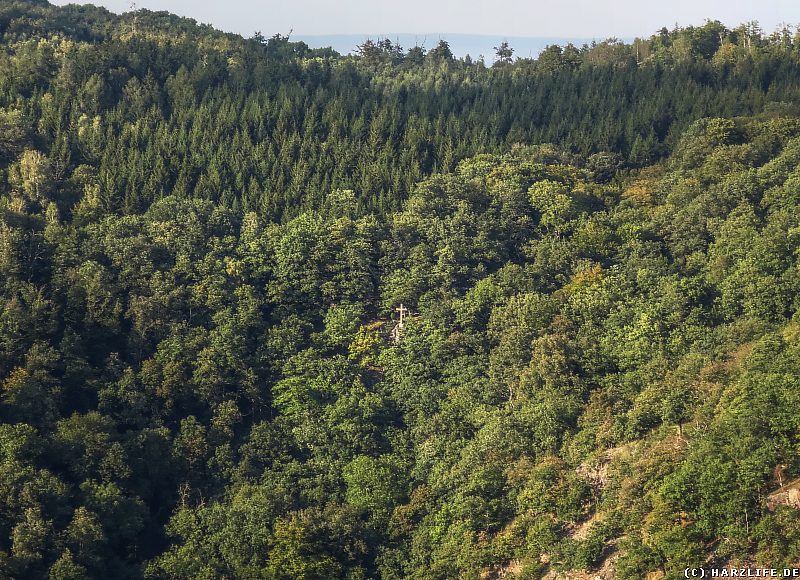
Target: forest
(205, 241)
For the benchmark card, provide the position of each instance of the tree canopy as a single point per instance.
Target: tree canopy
(203, 241)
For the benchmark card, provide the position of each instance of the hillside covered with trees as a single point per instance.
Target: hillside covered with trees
(204, 240)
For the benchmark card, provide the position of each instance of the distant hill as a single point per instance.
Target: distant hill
(461, 44)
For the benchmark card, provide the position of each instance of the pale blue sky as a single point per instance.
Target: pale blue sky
(548, 18)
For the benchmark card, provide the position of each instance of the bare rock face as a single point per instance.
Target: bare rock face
(789, 495)
(596, 471)
(502, 571)
(606, 571)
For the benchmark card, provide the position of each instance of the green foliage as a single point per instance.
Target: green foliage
(204, 241)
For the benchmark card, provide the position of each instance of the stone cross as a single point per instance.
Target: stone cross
(403, 311)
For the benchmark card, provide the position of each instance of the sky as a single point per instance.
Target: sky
(530, 18)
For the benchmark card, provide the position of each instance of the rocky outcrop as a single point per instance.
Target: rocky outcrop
(789, 495)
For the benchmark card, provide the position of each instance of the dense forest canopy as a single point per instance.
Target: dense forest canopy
(204, 240)
(270, 126)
